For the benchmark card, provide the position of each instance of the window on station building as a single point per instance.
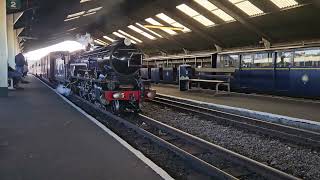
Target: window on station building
(229, 60)
(307, 58)
(247, 7)
(284, 59)
(262, 60)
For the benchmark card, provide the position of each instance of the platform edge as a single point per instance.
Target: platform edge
(162, 173)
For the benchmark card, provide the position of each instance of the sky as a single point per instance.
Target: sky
(63, 46)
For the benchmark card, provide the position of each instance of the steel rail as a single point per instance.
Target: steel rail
(195, 162)
(293, 134)
(251, 164)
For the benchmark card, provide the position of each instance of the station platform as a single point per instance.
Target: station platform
(43, 137)
(289, 107)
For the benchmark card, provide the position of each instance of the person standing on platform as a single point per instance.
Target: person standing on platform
(20, 62)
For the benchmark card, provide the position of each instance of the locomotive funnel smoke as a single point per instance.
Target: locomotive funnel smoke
(85, 40)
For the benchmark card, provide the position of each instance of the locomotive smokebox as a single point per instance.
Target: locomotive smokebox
(123, 57)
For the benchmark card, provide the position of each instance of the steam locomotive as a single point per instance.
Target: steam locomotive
(108, 76)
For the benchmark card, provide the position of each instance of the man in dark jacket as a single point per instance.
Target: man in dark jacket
(20, 62)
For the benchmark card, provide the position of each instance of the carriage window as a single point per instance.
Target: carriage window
(230, 60)
(284, 59)
(262, 60)
(307, 58)
(247, 61)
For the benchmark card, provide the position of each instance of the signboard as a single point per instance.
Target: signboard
(13, 4)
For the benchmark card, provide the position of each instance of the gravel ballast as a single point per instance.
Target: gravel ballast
(296, 160)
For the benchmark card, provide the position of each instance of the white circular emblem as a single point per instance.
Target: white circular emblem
(305, 79)
(127, 42)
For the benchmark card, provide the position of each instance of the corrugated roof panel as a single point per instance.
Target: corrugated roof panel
(285, 3)
(99, 41)
(195, 15)
(154, 22)
(109, 38)
(76, 14)
(141, 32)
(140, 25)
(122, 36)
(130, 36)
(247, 7)
(215, 10)
(172, 22)
(94, 9)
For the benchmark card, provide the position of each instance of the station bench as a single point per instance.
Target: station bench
(217, 82)
(223, 78)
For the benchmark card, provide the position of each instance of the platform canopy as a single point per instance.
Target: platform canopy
(197, 24)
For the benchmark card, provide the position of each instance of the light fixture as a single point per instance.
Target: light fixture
(141, 32)
(94, 9)
(215, 10)
(140, 25)
(88, 14)
(72, 18)
(109, 39)
(72, 29)
(75, 14)
(247, 7)
(285, 3)
(154, 22)
(195, 15)
(122, 36)
(130, 36)
(164, 27)
(83, 1)
(172, 22)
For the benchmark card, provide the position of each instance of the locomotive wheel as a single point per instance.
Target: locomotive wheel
(115, 107)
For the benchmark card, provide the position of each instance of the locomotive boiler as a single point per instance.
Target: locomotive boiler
(109, 77)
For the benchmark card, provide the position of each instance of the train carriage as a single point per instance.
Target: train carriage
(281, 71)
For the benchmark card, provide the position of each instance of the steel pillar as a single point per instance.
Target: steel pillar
(3, 51)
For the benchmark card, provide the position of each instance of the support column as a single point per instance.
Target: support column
(11, 39)
(18, 39)
(16, 43)
(3, 51)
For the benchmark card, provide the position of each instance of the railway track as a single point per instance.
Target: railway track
(283, 132)
(194, 150)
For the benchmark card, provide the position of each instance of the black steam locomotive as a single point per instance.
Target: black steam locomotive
(108, 76)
